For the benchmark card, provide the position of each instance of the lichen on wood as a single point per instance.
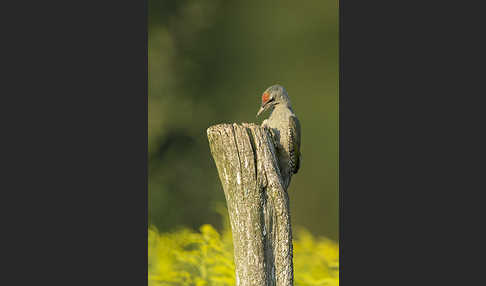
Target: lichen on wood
(258, 205)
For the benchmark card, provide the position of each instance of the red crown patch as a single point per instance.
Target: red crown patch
(265, 97)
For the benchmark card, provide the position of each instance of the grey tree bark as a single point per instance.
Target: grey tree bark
(257, 203)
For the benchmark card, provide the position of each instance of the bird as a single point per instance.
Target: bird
(284, 127)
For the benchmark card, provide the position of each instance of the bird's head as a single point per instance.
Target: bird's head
(272, 96)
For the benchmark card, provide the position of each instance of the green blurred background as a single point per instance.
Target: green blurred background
(209, 62)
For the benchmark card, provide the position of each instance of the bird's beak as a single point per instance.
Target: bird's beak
(260, 111)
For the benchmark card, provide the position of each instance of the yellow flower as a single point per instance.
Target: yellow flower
(187, 257)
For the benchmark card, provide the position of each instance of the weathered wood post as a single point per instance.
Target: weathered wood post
(257, 203)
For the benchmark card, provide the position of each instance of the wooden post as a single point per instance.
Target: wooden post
(257, 203)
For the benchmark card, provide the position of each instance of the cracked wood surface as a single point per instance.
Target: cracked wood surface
(257, 203)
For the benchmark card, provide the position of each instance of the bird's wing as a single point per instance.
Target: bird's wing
(294, 148)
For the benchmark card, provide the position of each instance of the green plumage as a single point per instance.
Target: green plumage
(285, 129)
(294, 146)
